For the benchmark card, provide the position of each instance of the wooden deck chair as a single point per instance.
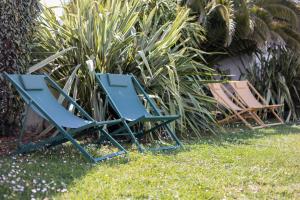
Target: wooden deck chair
(225, 98)
(121, 92)
(246, 92)
(35, 92)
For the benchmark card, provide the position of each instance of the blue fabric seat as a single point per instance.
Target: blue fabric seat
(40, 93)
(122, 92)
(36, 93)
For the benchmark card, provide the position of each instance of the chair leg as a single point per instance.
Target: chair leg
(67, 137)
(276, 115)
(24, 148)
(173, 135)
(257, 119)
(170, 133)
(76, 144)
(164, 125)
(245, 121)
(84, 152)
(112, 140)
(238, 115)
(140, 148)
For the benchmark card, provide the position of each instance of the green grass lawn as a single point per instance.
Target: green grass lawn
(238, 164)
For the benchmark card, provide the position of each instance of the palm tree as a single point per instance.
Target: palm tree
(17, 20)
(237, 26)
(217, 17)
(276, 21)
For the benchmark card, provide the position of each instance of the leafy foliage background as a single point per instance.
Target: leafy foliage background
(17, 23)
(146, 38)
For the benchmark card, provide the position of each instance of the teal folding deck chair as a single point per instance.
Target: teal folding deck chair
(121, 92)
(36, 94)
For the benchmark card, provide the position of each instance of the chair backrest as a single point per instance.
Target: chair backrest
(35, 88)
(221, 97)
(122, 94)
(244, 92)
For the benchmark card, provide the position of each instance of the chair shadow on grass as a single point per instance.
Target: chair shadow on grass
(53, 169)
(61, 166)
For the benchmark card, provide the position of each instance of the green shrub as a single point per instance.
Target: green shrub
(276, 75)
(139, 37)
(17, 22)
(242, 26)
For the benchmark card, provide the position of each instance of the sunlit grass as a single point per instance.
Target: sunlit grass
(239, 164)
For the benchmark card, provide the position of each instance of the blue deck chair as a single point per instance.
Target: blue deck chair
(36, 94)
(121, 92)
